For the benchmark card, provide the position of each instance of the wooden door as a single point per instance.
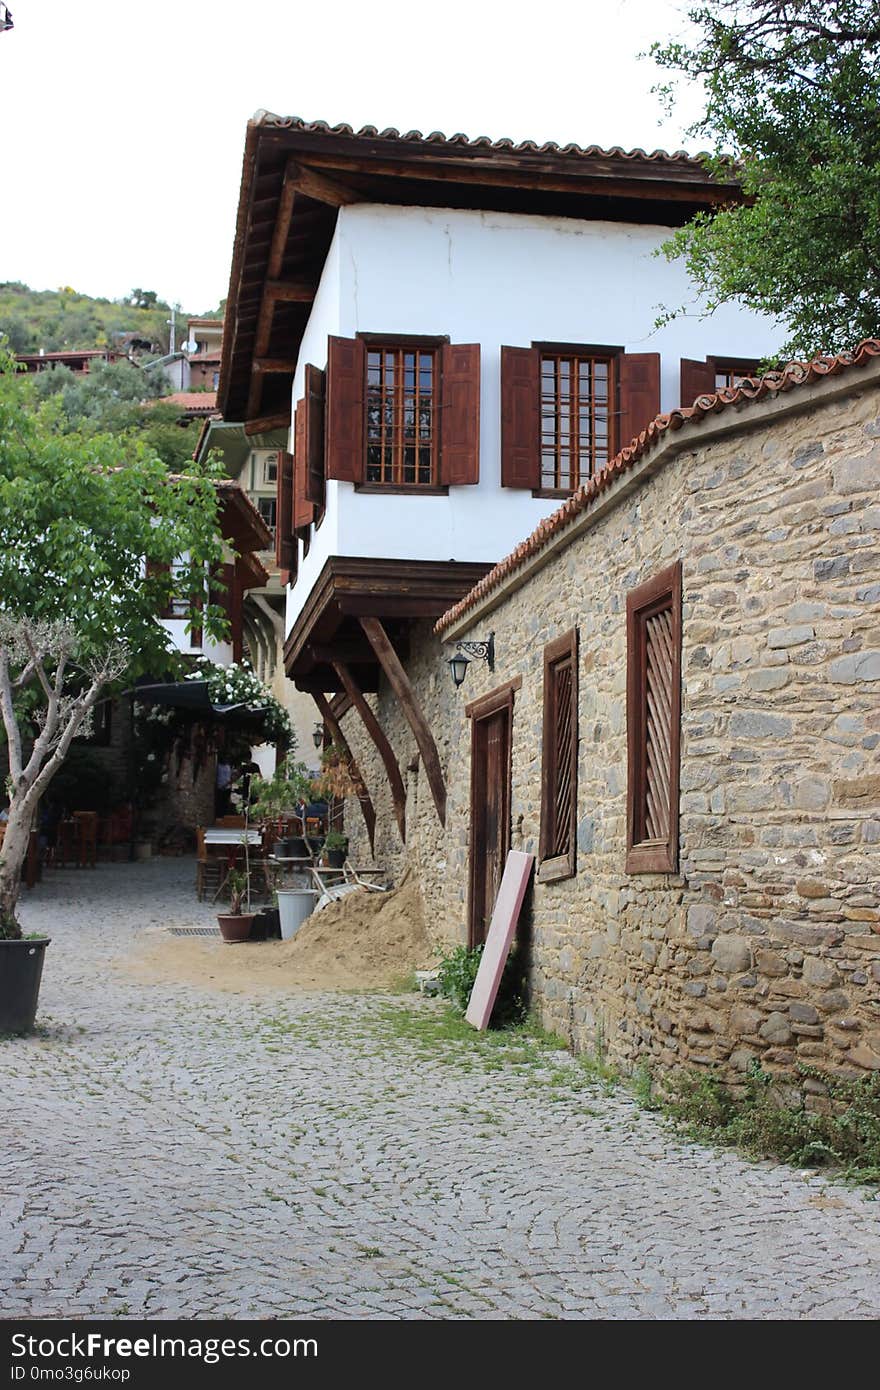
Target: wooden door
(490, 814)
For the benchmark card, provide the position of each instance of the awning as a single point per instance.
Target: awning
(194, 695)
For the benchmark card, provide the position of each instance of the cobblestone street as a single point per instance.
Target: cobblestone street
(171, 1152)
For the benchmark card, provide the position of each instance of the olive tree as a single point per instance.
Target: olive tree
(95, 540)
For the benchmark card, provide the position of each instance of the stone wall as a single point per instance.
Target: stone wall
(766, 944)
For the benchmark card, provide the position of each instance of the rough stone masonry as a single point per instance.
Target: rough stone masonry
(767, 943)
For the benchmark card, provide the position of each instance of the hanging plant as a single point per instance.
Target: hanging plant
(237, 684)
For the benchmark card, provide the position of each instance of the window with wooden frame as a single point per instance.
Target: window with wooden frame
(402, 402)
(577, 419)
(566, 410)
(714, 374)
(403, 413)
(653, 722)
(558, 843)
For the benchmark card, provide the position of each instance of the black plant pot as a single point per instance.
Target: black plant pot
(21, 969)
(335, 858)
(266, 925)
(292, 848)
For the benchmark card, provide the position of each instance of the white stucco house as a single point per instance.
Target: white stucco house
(455, 334)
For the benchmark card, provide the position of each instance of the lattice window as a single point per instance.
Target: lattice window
(559, 767)
(402, 416)
(576, 418)
(653, 722)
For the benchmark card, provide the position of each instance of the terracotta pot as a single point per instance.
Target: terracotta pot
(235, 928)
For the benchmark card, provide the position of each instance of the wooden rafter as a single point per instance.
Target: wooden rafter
(400, 684)
(364, 799)
(264, 423)
(281, 230)
(383, 747)
(274, 292)
(321, 187)
(274, 364)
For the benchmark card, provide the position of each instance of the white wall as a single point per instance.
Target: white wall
(494, 278)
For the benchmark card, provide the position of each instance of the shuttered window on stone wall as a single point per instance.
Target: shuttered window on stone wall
(653, 697)
(559, 759)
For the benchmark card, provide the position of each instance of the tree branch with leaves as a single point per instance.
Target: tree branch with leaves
(793, 94)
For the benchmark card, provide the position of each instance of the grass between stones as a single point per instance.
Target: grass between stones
(762, 1118)
(766, 1118)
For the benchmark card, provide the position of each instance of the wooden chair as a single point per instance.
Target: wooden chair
(209, 867)
(86, 838)
(230, 822)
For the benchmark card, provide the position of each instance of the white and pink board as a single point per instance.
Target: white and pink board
(505, 916)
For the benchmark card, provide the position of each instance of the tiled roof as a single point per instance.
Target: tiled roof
(196, 402)
(480, 142)
(756, 389)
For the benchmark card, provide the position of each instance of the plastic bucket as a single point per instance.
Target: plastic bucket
(21, 969)
(294, 906)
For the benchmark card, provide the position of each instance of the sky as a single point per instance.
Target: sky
(124, 123)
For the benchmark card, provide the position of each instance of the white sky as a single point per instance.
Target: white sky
(123, 122)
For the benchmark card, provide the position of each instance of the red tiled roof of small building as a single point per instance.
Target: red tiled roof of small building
(751, 391)
(193, 402)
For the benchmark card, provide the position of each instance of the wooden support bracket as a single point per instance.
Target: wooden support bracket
(400, 684)
(364, 799)
(383, 747)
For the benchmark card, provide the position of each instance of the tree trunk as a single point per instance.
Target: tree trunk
(12, 858)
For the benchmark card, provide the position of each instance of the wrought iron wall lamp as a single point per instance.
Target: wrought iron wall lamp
(466, 652)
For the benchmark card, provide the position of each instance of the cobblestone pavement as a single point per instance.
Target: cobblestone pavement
(185, 1153)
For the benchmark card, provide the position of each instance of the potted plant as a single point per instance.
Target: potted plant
(335, 849)
(266, 925)
(235, 925)
(279, 796)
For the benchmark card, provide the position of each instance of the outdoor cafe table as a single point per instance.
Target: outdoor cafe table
(229, 838)
(231, 835)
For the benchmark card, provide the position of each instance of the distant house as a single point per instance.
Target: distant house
(79, 362)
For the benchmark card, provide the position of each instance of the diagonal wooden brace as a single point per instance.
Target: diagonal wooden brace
(383, 747)
(400, 684)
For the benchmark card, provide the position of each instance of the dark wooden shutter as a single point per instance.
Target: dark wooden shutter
(346, 425)
(653, 696)
(284, 545)
(314, 435)
(303, 509)
(520, 417)
(697, 379)
(559, 762)
(639, 394)
(460, 413)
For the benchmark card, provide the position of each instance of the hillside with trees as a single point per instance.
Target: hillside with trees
(63, 320)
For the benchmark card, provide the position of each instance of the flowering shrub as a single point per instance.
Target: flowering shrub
(237, 684)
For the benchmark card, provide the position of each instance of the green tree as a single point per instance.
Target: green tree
(793, 92)
(123, 399)
(92, 531)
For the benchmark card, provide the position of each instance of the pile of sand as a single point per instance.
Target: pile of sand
(364, 941)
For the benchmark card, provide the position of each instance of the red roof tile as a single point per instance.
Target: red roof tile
(195, 402)
(754, 390)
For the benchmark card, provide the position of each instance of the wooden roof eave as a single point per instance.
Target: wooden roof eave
(289, 173)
